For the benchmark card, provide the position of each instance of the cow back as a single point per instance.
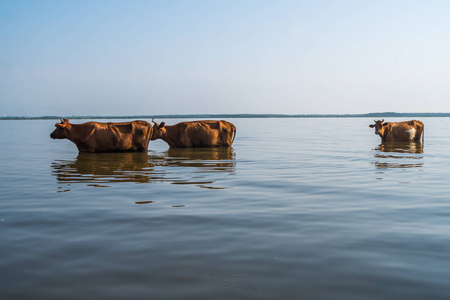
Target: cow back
(403, 131)
(112, 137)
(207, 133)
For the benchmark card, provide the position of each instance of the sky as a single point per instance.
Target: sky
(74, 58)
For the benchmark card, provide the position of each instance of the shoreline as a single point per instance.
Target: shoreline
(234, 116)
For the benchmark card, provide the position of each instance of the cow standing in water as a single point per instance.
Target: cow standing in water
(398, 131)
(105, 137)
(195, 134)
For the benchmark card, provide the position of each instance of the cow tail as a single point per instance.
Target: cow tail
(149, 135)
(423, 135)
(234, 134)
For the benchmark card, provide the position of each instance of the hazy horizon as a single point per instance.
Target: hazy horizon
(190, 116)
(93, 58)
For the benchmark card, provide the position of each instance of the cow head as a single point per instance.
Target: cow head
(61, 130)
(158, 130)
(379, 127)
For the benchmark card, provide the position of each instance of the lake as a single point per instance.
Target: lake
(299, 208)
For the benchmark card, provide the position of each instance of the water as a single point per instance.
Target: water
(297, 209)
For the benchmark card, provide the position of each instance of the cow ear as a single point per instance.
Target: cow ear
(385, 124)
(162, 124)
(371, 126)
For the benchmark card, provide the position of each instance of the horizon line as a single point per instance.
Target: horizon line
(245, 115)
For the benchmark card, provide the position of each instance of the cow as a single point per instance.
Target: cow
(195, 134)
(105, 137)
(406, 131)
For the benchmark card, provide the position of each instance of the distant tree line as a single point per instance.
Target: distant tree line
(224, 116)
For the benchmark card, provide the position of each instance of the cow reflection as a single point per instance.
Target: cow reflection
(218, 159)
(105, 168)
(203, 167)
(399, 155)
(102, 169)
(413, 147)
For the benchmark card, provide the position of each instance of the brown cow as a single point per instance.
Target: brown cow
(195, 134)
(105, 137)
(399, 131)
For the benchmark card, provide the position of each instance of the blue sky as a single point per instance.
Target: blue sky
(187, 57)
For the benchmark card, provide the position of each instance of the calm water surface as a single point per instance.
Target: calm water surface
(297, 209)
